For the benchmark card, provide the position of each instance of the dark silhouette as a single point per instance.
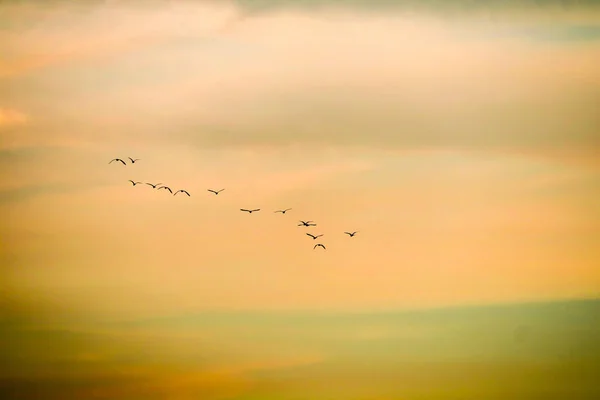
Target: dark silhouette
(165, 187)
(134, 183)
(132, 160)
(118, 159)
(283, 211)
(154, 186)
(351, 234)
(306, 223)
(313, 236)
(319, 245)
(182, 191)
(249, 211)
(215, 191)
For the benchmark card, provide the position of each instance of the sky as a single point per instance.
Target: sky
(461, 139)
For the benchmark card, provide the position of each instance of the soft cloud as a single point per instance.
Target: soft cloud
(199, 75)
(9, 117)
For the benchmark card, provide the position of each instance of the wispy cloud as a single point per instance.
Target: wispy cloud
(406, 81)
(9, 117)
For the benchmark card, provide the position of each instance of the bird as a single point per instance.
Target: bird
(283, 211)
(134, 183)
(249, 211)
(165, 187)
(306, 223)
(132, 160)
(351, 234)
(118, 159)
(313, 236)
(319, 245)
(215, 191)
(182, 191)
(154, 186)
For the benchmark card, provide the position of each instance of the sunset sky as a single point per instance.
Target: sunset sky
(460, 138)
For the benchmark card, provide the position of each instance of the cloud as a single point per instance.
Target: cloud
(9, 117)
(333, 77)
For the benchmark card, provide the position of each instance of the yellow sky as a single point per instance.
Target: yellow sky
(465, 151)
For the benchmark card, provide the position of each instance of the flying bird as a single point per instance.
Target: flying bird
(351, 234)
(132, 160)
(118, 159)
(165, 187)
(249, 211)
(154, 186)
(182, 191)
(134, 183)
(283, 211)
(313, 236)
(306, 223)
(215, 191)
(319, 245)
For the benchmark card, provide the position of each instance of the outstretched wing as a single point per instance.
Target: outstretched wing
(258, 209)
(186, 192)
(243, 209)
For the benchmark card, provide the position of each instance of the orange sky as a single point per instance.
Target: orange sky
(464, 151)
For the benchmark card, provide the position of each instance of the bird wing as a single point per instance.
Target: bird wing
(130, 159)
(186, 192)
(124, 163)
(169, 189)
(243, 209)
(319, 235)
(211, 191)
(258, 209)
(308, 234)
(221, 190)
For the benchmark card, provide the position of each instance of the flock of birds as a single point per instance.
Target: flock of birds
(216, 192)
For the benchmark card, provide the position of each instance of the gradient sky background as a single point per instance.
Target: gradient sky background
(461, 138)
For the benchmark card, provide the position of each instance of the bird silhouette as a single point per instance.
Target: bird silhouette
(215, 191)
(313, 236)
(283, 211)
(306, 223)
(182, 191)
(165, 187)
(249, 211)
(118, 159)
(319, 245)
(132, 160)
(154, 186)
(351, 234)
(134, 183)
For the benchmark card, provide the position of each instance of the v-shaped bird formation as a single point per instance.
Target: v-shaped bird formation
(159, 186)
